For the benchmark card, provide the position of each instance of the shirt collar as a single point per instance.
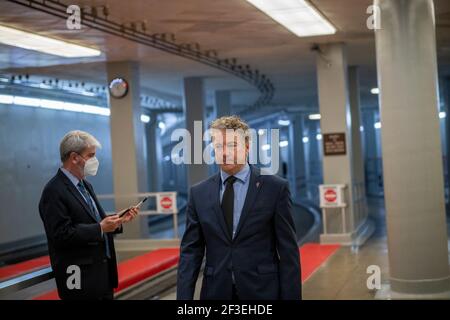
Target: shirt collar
(71, 177)
(241, 175)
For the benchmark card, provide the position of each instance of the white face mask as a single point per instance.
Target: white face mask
(91, 167)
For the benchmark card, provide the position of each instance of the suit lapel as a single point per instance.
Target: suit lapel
(215, 196)
(73, 190)
(253, 189)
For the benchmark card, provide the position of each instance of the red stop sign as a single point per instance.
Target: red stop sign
(166, 202)
(330, 195)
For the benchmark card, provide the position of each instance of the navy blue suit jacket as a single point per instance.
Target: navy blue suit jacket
(263, 255)
(74, 238)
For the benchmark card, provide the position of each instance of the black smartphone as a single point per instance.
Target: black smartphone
(123, 212)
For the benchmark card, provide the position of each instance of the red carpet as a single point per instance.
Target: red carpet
(142, 267)
(313, 255)
(135, 269)
(17, 269)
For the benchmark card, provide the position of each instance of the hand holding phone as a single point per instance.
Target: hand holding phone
(138, 205)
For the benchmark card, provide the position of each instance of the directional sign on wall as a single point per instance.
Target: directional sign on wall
(334, 144)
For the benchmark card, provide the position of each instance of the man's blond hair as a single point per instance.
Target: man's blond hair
(231, 123)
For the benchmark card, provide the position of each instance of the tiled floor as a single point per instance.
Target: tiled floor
(344, 275)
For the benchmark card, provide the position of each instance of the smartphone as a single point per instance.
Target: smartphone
(123, 212)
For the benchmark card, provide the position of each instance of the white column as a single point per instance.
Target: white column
(411, 147)
(336, 117)
(127, 142)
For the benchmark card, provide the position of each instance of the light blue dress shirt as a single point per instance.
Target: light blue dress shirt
(240, 187)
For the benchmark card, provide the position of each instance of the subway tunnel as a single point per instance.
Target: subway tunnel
(344, 102)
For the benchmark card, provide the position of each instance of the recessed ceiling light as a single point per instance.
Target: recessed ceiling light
(298, 16)
(33, 41)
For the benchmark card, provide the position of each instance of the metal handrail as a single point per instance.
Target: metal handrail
(26, 280)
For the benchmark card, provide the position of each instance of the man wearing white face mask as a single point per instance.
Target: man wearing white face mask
(78, 231)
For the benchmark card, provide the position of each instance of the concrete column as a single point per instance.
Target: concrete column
(307, 154)
(314, 178)
(336, 117)
(313, 144)
(194, 110)
(411, 147)
(127, 143)
(446, 96)
(297, 173)
(222, 103)
(357, 160)
(154, 154)
(371, 154)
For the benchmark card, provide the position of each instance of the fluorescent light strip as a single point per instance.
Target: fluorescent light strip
(60, 105)
(25, 101)
(284, 122)
(314, 116)
(6, 99)
(145, 118)
(32, 41)
(298, 16)
(375, 91)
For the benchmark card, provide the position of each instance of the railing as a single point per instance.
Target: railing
(24, 281)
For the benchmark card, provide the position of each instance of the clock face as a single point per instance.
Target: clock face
(118, 88)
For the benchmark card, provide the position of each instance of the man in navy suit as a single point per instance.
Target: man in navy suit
(79, 232)
(243, 221)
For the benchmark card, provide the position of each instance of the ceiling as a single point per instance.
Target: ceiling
(234, 28)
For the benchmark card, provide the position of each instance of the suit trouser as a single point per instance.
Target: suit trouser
(108, 292)
(234, 295)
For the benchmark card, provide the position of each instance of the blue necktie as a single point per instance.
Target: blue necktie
(90, 204)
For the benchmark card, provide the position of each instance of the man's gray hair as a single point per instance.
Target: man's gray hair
(76, 141)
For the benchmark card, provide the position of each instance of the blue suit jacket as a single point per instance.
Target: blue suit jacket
(263, 255)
